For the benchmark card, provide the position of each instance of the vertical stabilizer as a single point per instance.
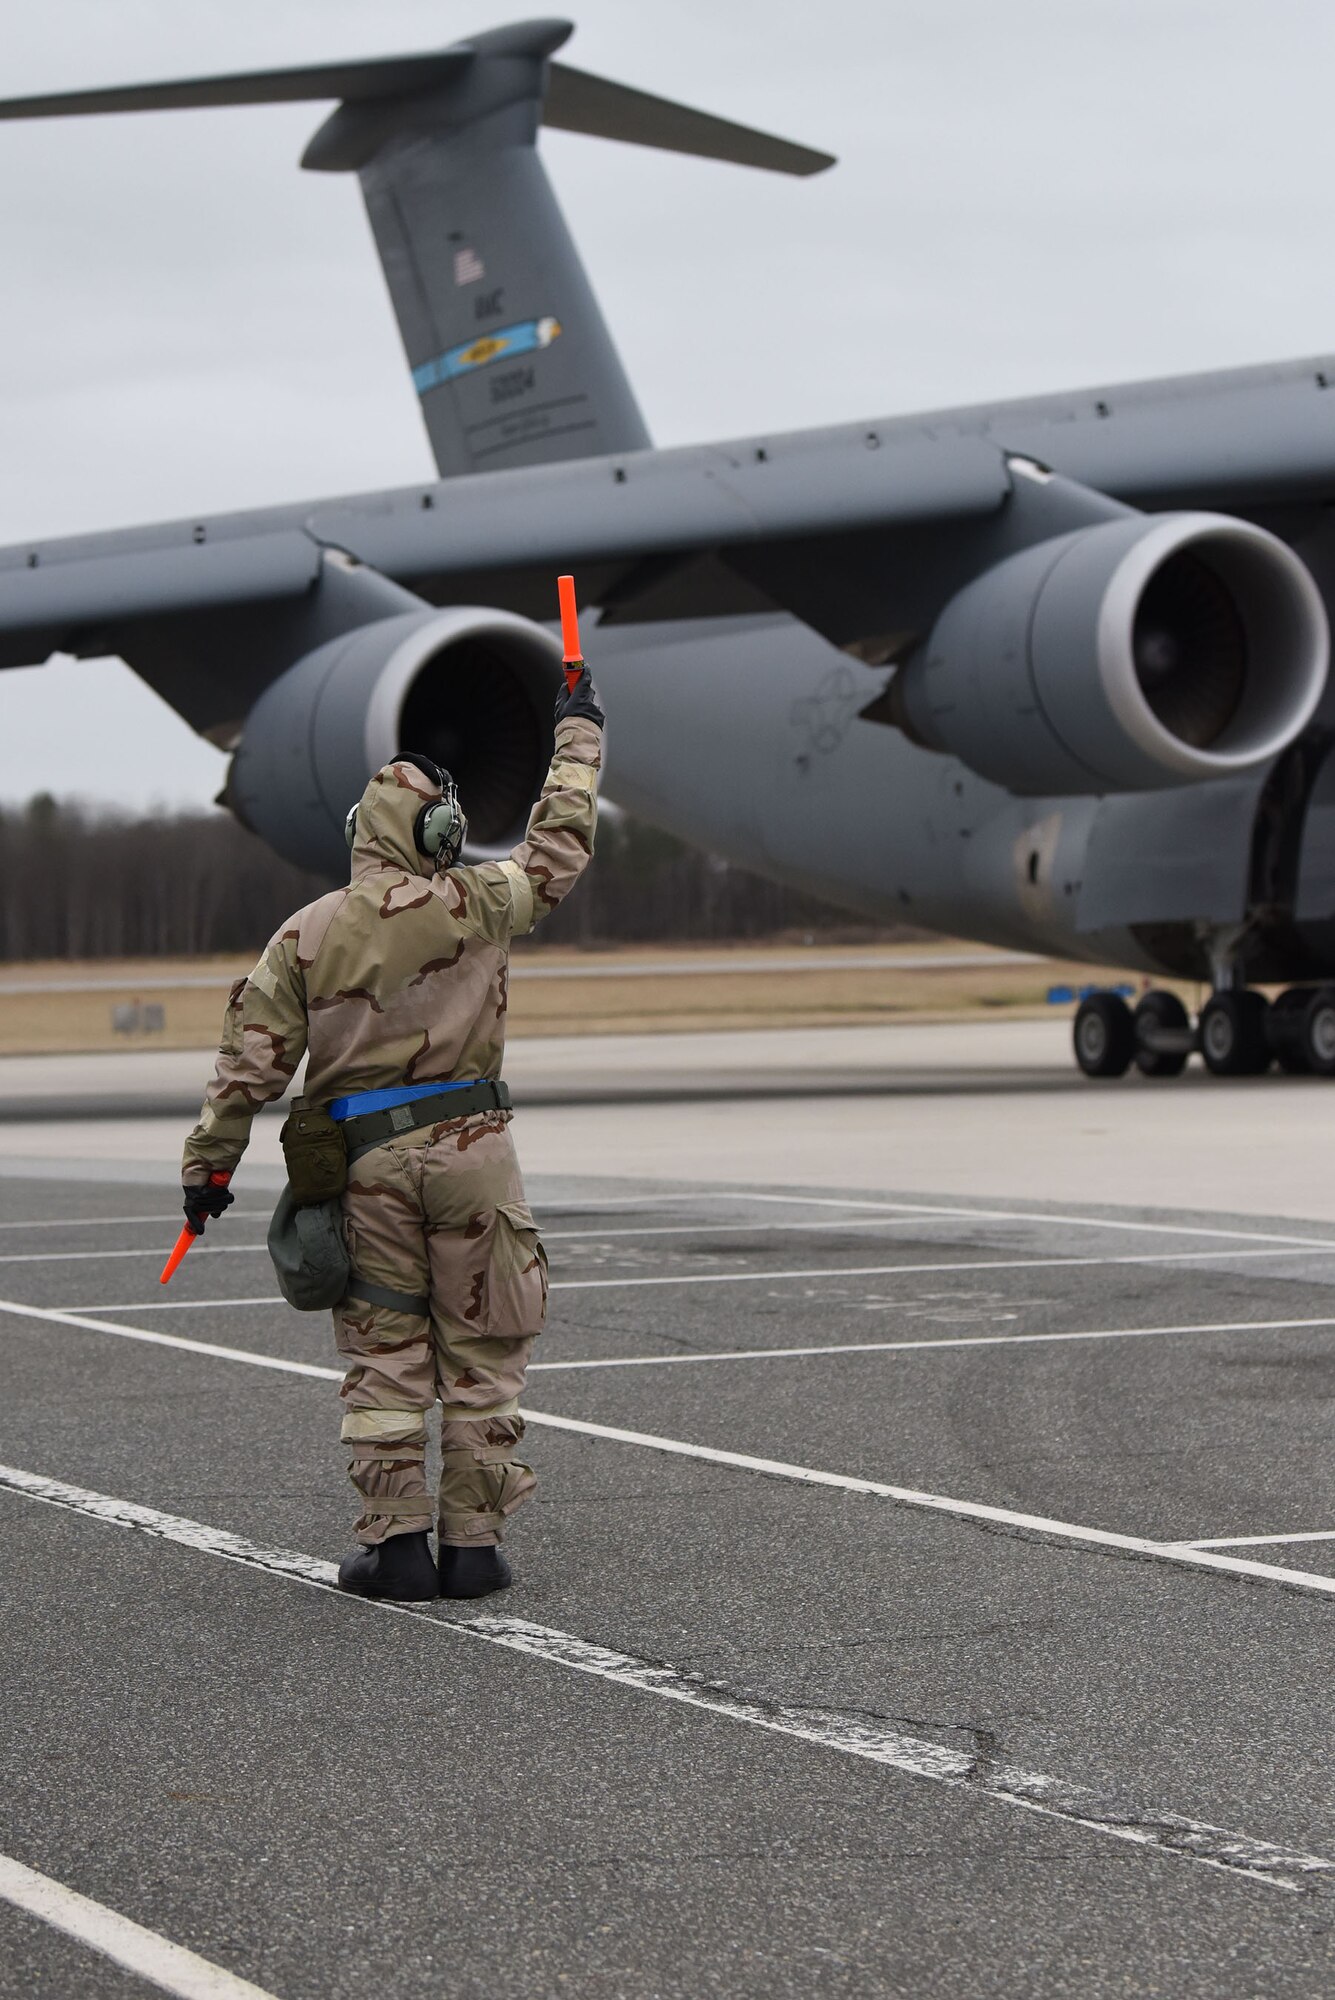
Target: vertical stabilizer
(509, 351)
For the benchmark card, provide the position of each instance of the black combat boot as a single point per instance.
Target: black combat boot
(472, 1572)
(400, 1568)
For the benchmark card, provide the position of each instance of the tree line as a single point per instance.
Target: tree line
(81, 883)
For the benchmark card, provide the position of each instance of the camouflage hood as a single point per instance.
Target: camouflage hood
(386, 818)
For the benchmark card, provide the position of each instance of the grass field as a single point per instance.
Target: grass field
(113, 1004)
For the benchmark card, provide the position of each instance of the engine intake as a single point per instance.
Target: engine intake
(473, 688)
(1144, 652)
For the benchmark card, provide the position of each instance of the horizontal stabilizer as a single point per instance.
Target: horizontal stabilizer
(575, 100)
(386, 76)
(579, 102)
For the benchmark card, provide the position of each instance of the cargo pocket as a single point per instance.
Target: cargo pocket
(514, 1292)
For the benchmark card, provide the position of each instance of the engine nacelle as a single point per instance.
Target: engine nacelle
(1142, 652)
(470, 687)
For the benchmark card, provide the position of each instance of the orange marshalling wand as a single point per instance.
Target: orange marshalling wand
(182, 1244)
(574, 659)
(188, 1235)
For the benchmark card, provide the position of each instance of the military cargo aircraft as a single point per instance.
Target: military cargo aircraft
(1049, 674)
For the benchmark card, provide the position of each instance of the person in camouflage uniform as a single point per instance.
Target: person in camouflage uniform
(401, 978)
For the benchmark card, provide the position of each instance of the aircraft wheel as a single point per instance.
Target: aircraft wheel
(1159, 1010)
(1233, 1033)
(1284, 1029)
(1318, 1032)
(1105, 1035)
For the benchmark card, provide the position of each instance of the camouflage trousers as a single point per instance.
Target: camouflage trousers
(440, 1215)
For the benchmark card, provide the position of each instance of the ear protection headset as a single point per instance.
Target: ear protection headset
(441, 827)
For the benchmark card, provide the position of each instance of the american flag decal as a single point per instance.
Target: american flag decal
(467, 267)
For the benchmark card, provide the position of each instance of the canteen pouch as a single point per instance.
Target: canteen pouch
(309, 1252)
(317, 1158)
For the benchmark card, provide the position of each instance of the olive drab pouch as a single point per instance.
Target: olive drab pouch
(309, 1252)
(317, 1158)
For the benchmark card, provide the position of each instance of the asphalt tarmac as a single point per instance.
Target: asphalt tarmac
(862, 1641)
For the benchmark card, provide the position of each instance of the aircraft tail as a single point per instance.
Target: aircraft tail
(508, 349)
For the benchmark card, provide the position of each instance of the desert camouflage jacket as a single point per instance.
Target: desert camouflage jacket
(401, 977)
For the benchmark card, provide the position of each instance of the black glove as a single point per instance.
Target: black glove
(581, 700)
(203, 1203)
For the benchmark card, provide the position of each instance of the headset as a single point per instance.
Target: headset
(441, 828)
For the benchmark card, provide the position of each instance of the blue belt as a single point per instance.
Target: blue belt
(364, 1101)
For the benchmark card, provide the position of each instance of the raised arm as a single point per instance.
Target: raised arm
(558, 845)
(504, 900)
(263, 1040)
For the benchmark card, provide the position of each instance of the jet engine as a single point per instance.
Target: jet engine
(470, 687)
(1145, 651)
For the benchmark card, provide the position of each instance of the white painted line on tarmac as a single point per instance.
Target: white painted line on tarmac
(87, 1324)
(947, 1340)
(168, 1966)
(1022, 1215)
(730, 1228)
(837, 1272)
(888, 1212)
(758, 1277)
(909, 1210)
(1259, 1541)
(1166, 1833)
(234, 1215)
(182, 1305)
(78, 1316)
(968, 1510)
(140, 1250)
(668, 1229)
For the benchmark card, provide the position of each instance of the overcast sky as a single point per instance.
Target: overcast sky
(1030, 194)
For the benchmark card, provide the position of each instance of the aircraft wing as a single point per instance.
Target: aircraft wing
(69, 597)
(96, 593)
(810, 522)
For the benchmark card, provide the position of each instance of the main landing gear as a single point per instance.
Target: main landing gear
(1238, 1033)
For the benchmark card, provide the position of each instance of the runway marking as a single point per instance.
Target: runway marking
(560, 1235)
(968, 1510)
(899, 1270)
(887, 1207)
(752, 1277)
(889, 1212)
(1259, 1541)
(142, 1250)
(154, 1958)
(551, 1235)
(207, 1347)
(952, 1340)
(181, 1305)
(1025, 1263)
(762, 1355)
(855, 1735)
(234, 1216)
(873, 1208)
